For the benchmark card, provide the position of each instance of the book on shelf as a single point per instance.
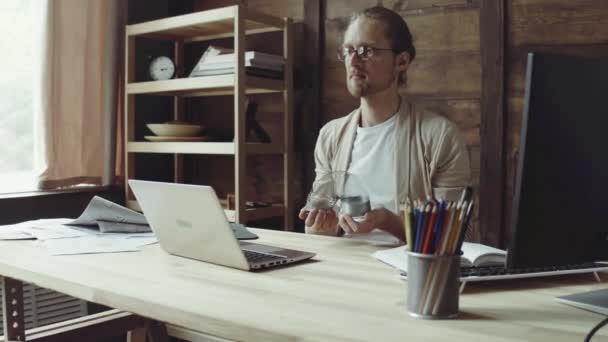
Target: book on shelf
(260, 57)
(212, 50)
(248, 63)
(248, 70)
(218, 58)
(473, 255)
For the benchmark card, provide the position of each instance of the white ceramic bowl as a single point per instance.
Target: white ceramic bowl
(175, 129)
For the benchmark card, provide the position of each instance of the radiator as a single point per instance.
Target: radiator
(43, 306)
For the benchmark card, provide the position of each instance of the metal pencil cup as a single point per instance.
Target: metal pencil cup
(432, 285)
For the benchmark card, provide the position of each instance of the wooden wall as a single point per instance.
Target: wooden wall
(558, 26)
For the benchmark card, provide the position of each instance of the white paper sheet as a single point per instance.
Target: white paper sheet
(376, 237)
(23, 230)
(90, 245)
(395, 257)
(65, 240)
(10, 234)
(140, 241)
(55, 231)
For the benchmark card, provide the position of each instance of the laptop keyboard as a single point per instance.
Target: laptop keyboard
(252, 256)
(503, 271)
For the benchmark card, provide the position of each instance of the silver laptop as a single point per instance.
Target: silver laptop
(189, 221)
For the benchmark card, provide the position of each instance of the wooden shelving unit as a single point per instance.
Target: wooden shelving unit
(234, 22)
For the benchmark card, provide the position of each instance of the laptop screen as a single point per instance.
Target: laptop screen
(560, 211)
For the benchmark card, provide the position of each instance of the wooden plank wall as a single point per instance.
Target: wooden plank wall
(491, 178)
(558, 26)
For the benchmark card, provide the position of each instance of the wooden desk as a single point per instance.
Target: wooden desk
(344, 295)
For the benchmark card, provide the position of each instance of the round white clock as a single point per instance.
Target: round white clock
(161, 68)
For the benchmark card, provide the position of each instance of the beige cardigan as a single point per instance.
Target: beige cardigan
(439, 164)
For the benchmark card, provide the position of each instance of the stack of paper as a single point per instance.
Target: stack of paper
(39, 229)
(217, 61)
(104, 227)
(252, 59)
(93, 244)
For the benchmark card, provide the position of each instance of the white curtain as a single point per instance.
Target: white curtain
(76, 91)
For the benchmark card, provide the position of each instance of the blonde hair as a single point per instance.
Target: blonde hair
(395, 29)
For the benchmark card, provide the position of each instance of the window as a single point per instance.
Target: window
(16, 96)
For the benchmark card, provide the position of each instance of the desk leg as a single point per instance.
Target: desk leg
(12, 308)
(157, 331)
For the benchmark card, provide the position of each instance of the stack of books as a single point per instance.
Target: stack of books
(220, 61)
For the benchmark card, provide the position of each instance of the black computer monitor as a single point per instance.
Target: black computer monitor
(560, 205)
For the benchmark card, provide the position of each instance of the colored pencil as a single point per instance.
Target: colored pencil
(429, 229)
(466, 223)
(408, 226)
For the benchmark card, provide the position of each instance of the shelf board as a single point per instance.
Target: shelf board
(205, 86)
(230, 34)
(252, 214)
(205, 25)
(201, 148)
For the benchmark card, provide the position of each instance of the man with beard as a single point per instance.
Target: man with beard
(398, 151)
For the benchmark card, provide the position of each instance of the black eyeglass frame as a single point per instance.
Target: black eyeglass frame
(363, 52)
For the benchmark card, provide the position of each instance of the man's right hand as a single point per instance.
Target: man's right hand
(320, 221)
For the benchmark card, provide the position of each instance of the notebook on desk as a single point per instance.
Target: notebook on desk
(479, 262)
(473, 255)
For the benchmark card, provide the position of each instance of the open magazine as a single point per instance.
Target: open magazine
(473, 255)
(111, 218)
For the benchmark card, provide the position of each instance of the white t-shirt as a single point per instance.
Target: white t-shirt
(373, 163)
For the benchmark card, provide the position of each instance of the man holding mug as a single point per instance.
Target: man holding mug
(397, 150)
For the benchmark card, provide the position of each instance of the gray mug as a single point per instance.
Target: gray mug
(354, 206)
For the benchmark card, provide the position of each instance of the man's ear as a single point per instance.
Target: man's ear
(403, 61)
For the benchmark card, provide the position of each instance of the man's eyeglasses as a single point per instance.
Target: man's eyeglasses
(363, 52)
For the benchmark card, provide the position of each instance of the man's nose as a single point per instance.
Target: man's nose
(354, 60)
